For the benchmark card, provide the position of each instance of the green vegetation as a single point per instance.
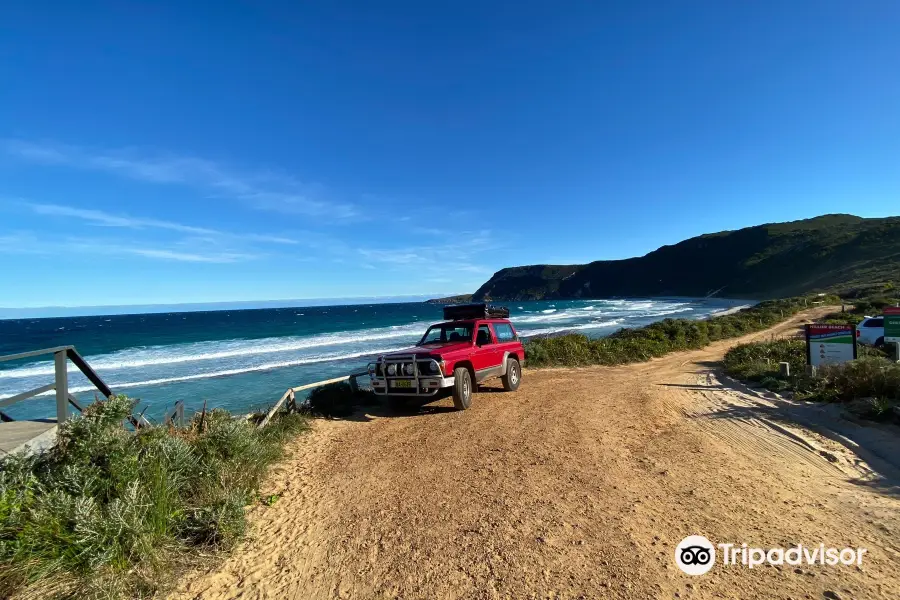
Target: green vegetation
(827, 253)
(869, 385)
(759, 362)
(534, 282)
(861, 307)
(460, 299)
(111, 513)
(337, 400)
(657, 339)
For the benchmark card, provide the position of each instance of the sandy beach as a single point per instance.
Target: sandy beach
(580, 485)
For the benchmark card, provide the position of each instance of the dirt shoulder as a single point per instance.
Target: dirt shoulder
(580, 485)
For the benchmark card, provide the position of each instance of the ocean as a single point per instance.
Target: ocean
(243, 360)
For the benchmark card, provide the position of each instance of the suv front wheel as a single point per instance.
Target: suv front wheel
(513, 376)
(462, 388)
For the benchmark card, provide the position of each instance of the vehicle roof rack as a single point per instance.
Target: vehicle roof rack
(456, 312)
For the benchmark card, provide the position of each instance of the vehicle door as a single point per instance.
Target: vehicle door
(872, 329)
(507, 340)
(484, 357)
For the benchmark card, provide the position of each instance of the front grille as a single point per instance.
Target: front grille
(422, 367)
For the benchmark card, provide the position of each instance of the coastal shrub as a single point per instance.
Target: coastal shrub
(336, 400)
(867, 377)
(662, 337)
(108, 512)
(869, 385)
(843, 318)
(759, 362)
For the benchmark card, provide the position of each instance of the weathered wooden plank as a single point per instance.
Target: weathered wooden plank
(26, 395)
(62, 386)
(85, 368)
(74, 402)
(33, 353)
(15, 435)
(274, 409)
(291, 392)
(316, 384)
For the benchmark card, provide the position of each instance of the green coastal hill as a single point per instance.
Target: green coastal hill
(827, 253)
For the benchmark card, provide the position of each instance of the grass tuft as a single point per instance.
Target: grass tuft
(110, 513)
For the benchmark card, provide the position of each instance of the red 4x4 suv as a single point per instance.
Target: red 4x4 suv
(476, 343)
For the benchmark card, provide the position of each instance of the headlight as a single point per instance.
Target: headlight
(409, 369)
(433, 367)
(392, 369)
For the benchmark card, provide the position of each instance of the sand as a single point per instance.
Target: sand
(579, 485)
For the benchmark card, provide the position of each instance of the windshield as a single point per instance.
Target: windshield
(447, 333)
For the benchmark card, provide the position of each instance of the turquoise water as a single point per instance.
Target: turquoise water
(245, 359)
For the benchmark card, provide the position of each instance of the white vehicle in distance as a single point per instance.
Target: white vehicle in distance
(870, 331)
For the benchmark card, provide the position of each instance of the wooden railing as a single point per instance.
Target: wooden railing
(61, 356)
(290, 395)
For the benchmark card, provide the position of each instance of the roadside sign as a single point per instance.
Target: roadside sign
(830, 344)
(892, 323)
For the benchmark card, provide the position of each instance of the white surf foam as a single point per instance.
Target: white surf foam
(551, 330)
(227, 372)
(208, 351)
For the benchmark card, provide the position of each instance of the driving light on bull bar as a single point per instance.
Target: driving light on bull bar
(433, 367)
(392, 369)
(409, 369)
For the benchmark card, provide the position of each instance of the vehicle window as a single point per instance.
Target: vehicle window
(875, 323)
(484, 335)
(504, 332)
(447, 333)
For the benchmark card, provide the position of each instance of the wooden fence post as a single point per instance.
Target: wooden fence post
(62, 386)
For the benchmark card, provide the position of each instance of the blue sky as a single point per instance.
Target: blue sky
(226, 151)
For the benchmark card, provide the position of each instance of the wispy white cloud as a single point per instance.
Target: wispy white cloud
(105, 219)
(181, 251)
(29, 242)
(431, 231)
(226, 257)
(462, 252)
(263, 190)
(22, 242)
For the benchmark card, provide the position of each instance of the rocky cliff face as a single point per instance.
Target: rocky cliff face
(781, 259)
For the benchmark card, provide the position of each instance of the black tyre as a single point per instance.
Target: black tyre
(462, 388)
(879, 342)
(513, 377)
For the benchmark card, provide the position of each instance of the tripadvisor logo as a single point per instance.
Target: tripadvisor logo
(696, 555)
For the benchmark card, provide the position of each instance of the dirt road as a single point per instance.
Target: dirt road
(580, 485)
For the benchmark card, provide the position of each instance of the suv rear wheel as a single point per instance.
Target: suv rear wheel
(513, 376)
(462, 389)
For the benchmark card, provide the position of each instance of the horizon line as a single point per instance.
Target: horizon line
(7, 313)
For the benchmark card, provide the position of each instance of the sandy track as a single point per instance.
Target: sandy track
(578, 486)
